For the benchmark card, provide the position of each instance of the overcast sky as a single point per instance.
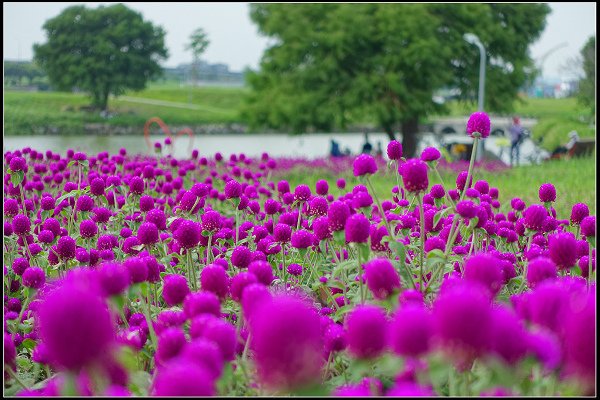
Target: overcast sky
(234, 39)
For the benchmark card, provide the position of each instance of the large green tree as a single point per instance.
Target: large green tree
(101, 51)
(333, 64)
(586, 93)
(198, 44)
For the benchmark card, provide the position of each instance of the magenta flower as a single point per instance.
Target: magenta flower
(175, 289)
(414, 175)
(547, 193)
(302, 239)
(430, 154)
(214, 278)
(367, 331)
(382, 278)
(394, 150)
(411, 330)
(563, 250)
(364, 164)
(357, 229)
(479, 123)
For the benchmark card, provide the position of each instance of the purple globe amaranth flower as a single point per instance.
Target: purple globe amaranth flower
(469, 303)
(65, 247)
(170, 344)
(21, 225)
(366, 328)
(147, 233)
(113, 278)
(183, 377)
(88, 229)
(547, 193)
(34, 277)
(19, 265)
(233, 189)
(539, 269)
(239, 283)
(588, 226)
(411, 330)
(434, 242)
(322, 187)
(294, 269)
(437, 191)
(223, 334)
(201, 302)
(287, 343)
(318, 206)
(414, 175)
(430, 154)
(357, 229)
(175, 289)
(211, 221)
(137, 268)
(214, 278)
(11, 207)
(517, 204)
(485, 269)
(302, 193)
(394, 150)
(241, 257)
(17, 164)
(321, 228)
(75, 325)
(382, 278)
(188, 234)
(97, 186)
(84, 203)
(341, 183)
(466, 209)
(563, 250)
(508, 335)
(479, 123)
(282, 233)
(302, 239)
(364, 164)
(337, 214)
(136, 185)
(579, 212)
(535, 216)
(262, 270)
(205, 353)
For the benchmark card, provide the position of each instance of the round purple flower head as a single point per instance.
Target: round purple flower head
(466, 209)
(302, 239)
(113, 278)
(508, 341)
(262, 270)
(341, 183)
(136, 185)
(214, 278)
(540, 269)
(337, 214)
(588, 226)
(201, 302)
(394, 150)
(75, 324)
(65, 247)
(563, 250)
(88, 229)
(414, 175)
(547, 193)
(137, 268)
(21, 225)
(233, 189)
(479, 123)
(579, 212)
(241, 257)
(175, 289)
(294, 269)
(367, 331)
(17, 164)
(302, 193)
(468, 303)
(357, 229)
(282, 233)
(364, 164)
(148, 233)
(188, 234)
(437, 191)
(430, 154)
(322, 187)
(11, 207)
(382, 278)
(485, 269)
(535, 216)
(287, 343)
(411, 330)
(183, 377)
(34, 277)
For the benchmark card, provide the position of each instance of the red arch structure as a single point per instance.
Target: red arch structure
(166, 131)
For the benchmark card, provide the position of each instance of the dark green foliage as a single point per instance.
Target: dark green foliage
(101, 51)
(334, 64)
(587, 86)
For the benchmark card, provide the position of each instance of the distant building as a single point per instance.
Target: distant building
(207, 73)
(552, 88)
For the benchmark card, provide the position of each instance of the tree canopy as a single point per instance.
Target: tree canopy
(333, 64)
(587, 85)
(101, 51)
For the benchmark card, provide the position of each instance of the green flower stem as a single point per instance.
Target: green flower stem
(146, 310)
(471, 164)
(444, 185)
(236, 225)
(191, 267)
(380, 208)
(589, 264)
(422, 237)
(13, 375)
(360, 280)
(300, 204)
(283, 269)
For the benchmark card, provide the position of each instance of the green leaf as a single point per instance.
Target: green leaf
(29, 344)
(17, 177)
(440, 214)
(139, 382)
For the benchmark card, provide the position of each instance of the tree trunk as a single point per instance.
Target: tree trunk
(390, 132)
(410, 127)
(105, 93)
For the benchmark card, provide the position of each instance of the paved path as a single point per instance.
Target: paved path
(171, 104)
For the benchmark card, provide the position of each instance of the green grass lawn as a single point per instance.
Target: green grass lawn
(556, 118)
(574, 181)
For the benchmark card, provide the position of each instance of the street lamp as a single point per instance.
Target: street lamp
(473, 39)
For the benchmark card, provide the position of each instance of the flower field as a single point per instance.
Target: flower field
(131, 275)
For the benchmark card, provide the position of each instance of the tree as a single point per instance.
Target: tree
(586, 93)
(101, 51)
(332, 64)
(198, 44)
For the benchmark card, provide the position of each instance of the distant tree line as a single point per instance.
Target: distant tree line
(24, 73)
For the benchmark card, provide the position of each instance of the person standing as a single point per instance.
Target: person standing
(516, 136)
(367, 146)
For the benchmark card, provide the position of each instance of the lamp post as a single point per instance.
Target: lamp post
(473, 39)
